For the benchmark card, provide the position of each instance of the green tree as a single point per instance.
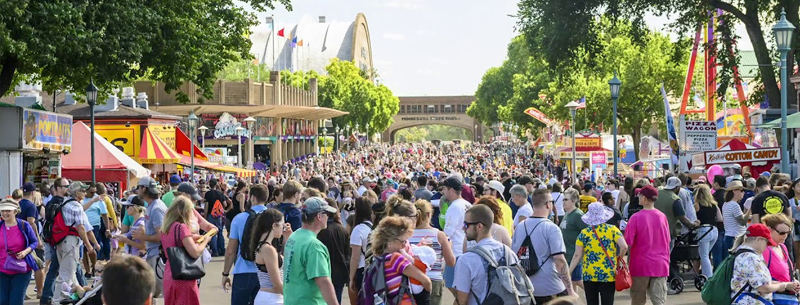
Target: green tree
(65, 43)
(564, 31)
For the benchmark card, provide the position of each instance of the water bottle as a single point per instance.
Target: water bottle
(378, 300)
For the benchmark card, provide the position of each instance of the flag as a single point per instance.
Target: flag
(300, 43)
(582, 103)
(294, 42)
(673, 138)
(280, 32)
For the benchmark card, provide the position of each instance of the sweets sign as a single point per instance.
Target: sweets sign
(740, 156)
(226, 127)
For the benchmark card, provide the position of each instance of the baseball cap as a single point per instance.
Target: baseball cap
(316, 205)
(760, 230)
(76, 186)
(648, 192)
(174, 179)
(28, 187)
(189, 189)
(672, 183)
(497, 186)
(147, 182)
(134, 200)
(453, 183)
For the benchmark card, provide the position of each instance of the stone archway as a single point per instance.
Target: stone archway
(434, 110)
(470, 131)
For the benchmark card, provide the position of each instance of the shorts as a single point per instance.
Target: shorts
(268, 298)
(449, 274)
(577, 274)
(359, 278)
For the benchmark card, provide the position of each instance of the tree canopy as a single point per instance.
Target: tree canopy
(64, 44)
(563, 31)
(348, 88)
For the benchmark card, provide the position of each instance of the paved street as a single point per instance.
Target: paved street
(212, 294)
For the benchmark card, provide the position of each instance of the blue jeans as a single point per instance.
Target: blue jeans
(52, 274)
(14, 287)
(105, 244)
(217, 241)
(704, 247)
(244, 288)
(718, 252)
(338, 290)
(728, 244)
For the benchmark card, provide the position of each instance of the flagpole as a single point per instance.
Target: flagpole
(273, 42)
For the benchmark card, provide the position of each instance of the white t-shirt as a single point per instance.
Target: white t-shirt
(454, 223)
(361, 190)
(524, 211)
(559, 202)
(615, 194)
(731, 210)
(360, 237)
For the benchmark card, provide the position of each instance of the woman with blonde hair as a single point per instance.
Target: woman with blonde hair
(777, 257)
(177, 232)
(389, 240)
(440, 244)
(708, 214)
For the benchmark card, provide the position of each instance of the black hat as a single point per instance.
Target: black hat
(453, 183)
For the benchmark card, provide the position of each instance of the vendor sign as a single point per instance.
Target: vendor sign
(740, 156)
(599, 159)
(46, 129)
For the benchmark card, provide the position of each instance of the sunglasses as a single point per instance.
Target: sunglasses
(781, 233)
(467, 224)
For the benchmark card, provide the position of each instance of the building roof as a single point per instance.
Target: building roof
(748, 64)
(457, 99)
(80, 111)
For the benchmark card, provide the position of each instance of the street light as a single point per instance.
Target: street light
(91, 99)
(203, 135)
(783, 38)
(250, 122)
(325, 139)
(367, 131)
(239, 131)
(192, 126)
(614, 84)
(573, 106)
(336, 138)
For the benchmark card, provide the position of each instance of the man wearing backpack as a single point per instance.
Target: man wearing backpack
(472, 279)
(291, 195)
(211, 198)
(540, 247)
(245, 279)
(66, 234)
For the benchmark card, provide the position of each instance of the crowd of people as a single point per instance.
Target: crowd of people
(396, 224)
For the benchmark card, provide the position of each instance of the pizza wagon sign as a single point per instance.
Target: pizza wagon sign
(226, 127)
(739, 156)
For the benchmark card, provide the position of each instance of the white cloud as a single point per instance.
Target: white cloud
(427, 33)
(394, 36)
(437, 60)
(427, 71)
(405, 4)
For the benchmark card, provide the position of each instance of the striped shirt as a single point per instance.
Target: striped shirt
(435, 274)
(73, 213)
(394, 266)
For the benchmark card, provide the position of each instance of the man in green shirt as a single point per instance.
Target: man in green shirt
(174, 181)
(571, 227)
(307, 265)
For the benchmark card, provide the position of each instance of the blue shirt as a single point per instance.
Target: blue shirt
(98, 208)
(153, 219)
(27, 209)
(237, 231)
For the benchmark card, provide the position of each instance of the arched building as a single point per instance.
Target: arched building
(321, 41)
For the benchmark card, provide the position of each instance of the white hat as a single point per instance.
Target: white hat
(672, 183)
(597, 214)
(497, 186)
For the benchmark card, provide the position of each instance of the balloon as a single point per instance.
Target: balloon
(714, 170)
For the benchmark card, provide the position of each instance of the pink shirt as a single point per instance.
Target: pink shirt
(778, 268)
(647, 234)
(16, 243)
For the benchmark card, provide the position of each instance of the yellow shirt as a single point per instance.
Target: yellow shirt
(112, 213)
(507, 221)
(597, 265)
(585, 201)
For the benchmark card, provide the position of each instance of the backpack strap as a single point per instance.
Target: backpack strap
(492, 265)
(739, 294)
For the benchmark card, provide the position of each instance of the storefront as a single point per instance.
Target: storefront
(757, 160)
(589, 152)
(34, 149)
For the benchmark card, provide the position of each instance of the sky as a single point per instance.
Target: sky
(427, 47)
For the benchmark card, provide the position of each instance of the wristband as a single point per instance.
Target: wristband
(226, 274)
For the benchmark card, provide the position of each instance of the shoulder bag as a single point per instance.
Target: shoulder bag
(622, 278)
(183, 265)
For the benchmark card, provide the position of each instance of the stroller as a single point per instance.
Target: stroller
(92, 297)
(683, 254)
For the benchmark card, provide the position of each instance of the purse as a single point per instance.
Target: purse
(183, 265)
(622, 278)
(13, 264)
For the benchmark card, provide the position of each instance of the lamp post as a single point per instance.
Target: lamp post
(250, 123)
(367, 131)
(783, 38)
(192, 126)
(91, 99)
(336, 138)
(614, 84)
(325, 139)
(573, 106)
(203, 135)
(239, 131)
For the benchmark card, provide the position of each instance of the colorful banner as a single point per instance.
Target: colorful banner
(599, 159)
(673, 137)
(125, 138)
(46, 129)
(696, 137)
(538, 115)
(588, 142)
(741, 156)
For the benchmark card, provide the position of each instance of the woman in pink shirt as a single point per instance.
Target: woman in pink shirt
(777, 257)
(17, 241)
(648, 235)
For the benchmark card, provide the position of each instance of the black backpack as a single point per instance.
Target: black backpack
(367, 252)
(244, 243)
(527, 254)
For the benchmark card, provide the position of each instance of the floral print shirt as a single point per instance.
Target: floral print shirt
(597, 265)
(749, 267)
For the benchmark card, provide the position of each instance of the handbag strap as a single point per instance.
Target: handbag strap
(594, 229)
(176, 233)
